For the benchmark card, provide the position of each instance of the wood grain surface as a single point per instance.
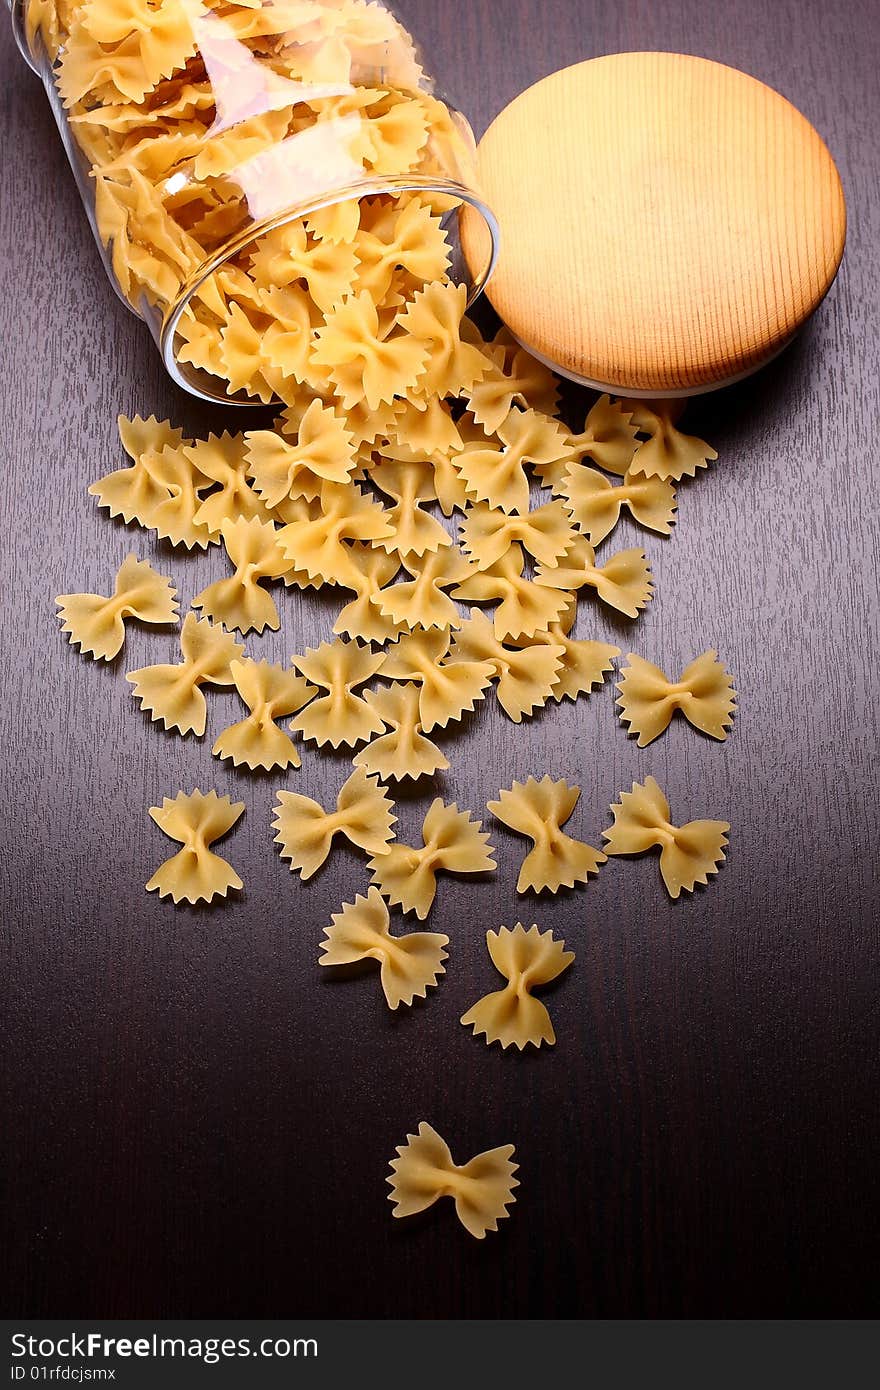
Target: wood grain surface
(667, 223)
(195, 1122)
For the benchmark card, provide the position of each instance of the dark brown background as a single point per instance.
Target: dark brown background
(197, 1121)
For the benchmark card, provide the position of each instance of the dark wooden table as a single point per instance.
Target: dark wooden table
(197, 1122)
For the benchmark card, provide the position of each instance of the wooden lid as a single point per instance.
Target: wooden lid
(667, 223)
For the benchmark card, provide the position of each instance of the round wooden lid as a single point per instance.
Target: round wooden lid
(667, 223)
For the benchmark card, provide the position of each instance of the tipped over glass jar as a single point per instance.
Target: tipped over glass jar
(271, 184)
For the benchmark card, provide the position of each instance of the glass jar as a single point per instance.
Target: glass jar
(229, 153)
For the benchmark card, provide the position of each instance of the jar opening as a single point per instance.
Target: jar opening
(474, 272)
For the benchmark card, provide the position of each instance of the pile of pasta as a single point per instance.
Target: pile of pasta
(201, 125)
(415, 470)
(458, 562)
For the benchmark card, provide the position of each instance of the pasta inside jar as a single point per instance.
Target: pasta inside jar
(272, 184)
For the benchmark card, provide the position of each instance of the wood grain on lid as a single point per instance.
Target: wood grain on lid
(667, 222)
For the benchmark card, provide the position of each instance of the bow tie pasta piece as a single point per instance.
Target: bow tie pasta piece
(608, 438)
(362, 617)
(244, 355)
(624, 582)
(340, 716)
(288, 339)
(318, 546)
(324, 451)
(526, 959)
(240, 602)
(539, 810)
(666, 453)
(585, 663)
(523, 606)
(288, 255)
(409, 965)
(447, 689)
(363, 362)
(134, 493)
(689, 854)
(195, 874)
(223, 460)
(96, 624)
(487, 534)
(171, 694)
(364, 814)
(451, 841)
(448, 483)
(403, 236)
(595, 504)
(425, 425)
(511, 378)
(648, 699)
(368, 427)
(198, 342)
(525, 678)
(174, 518)
(434, 315)
(148, 45)
(498, 475)
(424, 1172)
(270, 693)
(405, 751)
(409, 483)
(397, 129)
(421, 602)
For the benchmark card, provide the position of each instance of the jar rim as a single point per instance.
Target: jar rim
(199, 382)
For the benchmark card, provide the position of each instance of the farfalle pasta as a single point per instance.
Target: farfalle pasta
(409, 482)
(434, 316)
(608, 438)
(623, 582)
(525, 678)
(172, 694)
(666, 452)
(97, 625)
(340, 716)
(523, 607)
(362, 617)
(451, 841)
(703, 693)
(363, 364)
(364, 814)
(447, 688)
(538, 810)
(487, 534)
(199, 124)
(270, 692)
(317, 545)
(689, 854)
(497, 474)
(240, 601)
(222, 459)
(421, 602)
(323, 452)
(512, 378)
(195, 874)
(405, 751)
(513, 1016)
(408, 965)
(424, 1171)
(584, 662)
(158, 490)
(595, 504)
(163, 488)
